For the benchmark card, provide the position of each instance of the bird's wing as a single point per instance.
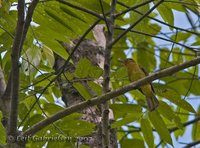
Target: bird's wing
(144, 70)
(146, 73)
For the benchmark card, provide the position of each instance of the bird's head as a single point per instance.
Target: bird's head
(127, 61)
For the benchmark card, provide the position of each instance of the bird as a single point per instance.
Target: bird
(136, 72)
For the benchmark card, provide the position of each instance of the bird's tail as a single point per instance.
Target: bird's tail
(152, 103)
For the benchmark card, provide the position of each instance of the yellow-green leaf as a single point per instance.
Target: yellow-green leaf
(51, 108)
(137, 143)
(49, 55)
(168, 113)
(166, 13)
(82, 90)
(196, 129)
(147, 132)
(181, 36)
(121, 110)
(83, 68)
(2, 133)
(160, 126)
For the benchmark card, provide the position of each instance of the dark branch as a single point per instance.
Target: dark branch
(192, 144)
(106, 75)
(14, 86)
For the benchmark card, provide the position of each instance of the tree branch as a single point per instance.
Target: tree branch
(192, 144)
(100, 99)
(106, 75)
(21, 31)
(12, 127)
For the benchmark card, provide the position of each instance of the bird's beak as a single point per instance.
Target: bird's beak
(120, 60)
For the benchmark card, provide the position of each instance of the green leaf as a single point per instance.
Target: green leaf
(51, 108)
(125, 113)
(55, 47)
(147, 132)
(56, 91)
(93, 5)
(196, 43)
(165, 110)
(95, 72)
(95, 87)
(48, 53)
(69, 76)
(128, 143)
(69, 12)
(153, 29)
(2, 133)
(71, 123)
(82, 90)
(143, 53)
(31, 59)
(43, 79)
(176, 6)
(125, 120)
(177, 59)
(196, 129)
(121, 110)
(32, 120)
(49, 97)
(83, 68)
(160, 126)
(175, 98)
(164, 52)
(142, 26)
(22, 109)
(166, 13)
(181, 36)
(57, 18)
(195, 85)
(181, 103)
(120, 74)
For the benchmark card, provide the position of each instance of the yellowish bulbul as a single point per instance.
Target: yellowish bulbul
(136, 72)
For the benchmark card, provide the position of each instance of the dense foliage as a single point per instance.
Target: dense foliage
(156, 42)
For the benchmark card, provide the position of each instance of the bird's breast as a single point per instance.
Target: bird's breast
(135, 73)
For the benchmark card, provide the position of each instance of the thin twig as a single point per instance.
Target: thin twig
(192, 144)
(104, 16)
